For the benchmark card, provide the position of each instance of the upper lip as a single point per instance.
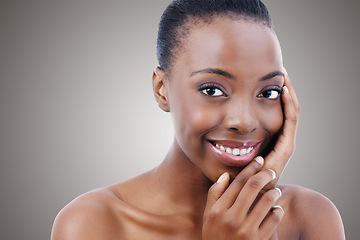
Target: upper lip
(234, 143)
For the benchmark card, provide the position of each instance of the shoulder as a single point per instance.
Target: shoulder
(316, 216)
(89, 216)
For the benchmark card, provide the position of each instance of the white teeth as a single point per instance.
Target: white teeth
(234, 151)
(228, 150)
(242, 151)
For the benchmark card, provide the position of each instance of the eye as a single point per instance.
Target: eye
(214, 92)
(211, 90)
(272, 94)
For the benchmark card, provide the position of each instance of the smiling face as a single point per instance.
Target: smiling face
(224, 94)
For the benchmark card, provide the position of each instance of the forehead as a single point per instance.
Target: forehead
(246, 47)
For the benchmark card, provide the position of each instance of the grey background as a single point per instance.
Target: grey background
(77, 111)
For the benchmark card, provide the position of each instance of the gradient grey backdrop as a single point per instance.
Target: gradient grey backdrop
(77, 111)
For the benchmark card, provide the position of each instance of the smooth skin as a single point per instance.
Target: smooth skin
(193, 194)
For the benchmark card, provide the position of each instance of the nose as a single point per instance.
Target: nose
(241, 117)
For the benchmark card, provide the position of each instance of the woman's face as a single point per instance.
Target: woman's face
(224, 94)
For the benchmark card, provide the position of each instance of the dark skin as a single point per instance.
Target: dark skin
(223, 89)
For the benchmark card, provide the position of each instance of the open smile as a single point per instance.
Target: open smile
(236, 154)
(234, 151)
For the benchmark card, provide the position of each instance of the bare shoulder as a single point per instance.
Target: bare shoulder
(92, 215)
(314, 214)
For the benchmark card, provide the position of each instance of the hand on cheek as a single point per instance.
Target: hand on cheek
(284, 147)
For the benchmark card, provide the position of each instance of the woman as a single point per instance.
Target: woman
(221, 77)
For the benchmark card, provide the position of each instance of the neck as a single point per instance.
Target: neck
(181, 181)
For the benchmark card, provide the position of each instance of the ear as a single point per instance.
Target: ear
(160, 90)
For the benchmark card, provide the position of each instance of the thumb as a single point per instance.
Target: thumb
(216, 191)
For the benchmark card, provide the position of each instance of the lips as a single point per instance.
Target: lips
(233, 153)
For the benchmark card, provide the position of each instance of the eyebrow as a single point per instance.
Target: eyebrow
(230, 76)
(272, 75)
(215, 71)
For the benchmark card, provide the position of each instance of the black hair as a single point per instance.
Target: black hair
(174, 23)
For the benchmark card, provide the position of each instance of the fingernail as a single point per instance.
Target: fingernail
(273, 173)
(285, 71)
(259, 160)
(285, 89)
(278, 207)
(222, 177)
(278, 189)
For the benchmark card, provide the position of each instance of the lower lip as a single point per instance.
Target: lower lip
(235, 161)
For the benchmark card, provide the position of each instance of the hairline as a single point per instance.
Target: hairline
(192, 22)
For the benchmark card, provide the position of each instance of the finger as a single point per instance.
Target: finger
(216, 191)
(274, 236)
(271, 221)
(290, 105)
(263, 206)
(291, 91)
(288, 132)
(285, 144)
(232, 192)
(248, 196)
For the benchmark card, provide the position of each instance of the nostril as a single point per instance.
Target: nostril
(241, 123)
(242, 131)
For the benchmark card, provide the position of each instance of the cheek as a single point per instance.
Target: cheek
(190, 119)
(272, 118)
(191, 122)
(191, 116)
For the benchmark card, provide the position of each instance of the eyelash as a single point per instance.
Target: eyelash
(273, 88)
(203, 88)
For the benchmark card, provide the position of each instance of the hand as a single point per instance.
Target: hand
(284, 147)
(236, 212)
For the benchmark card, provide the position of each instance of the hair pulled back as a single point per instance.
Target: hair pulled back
(174, 23)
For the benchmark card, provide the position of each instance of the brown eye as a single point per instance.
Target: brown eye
(271, 94)
(213, 92)
(210, 89)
